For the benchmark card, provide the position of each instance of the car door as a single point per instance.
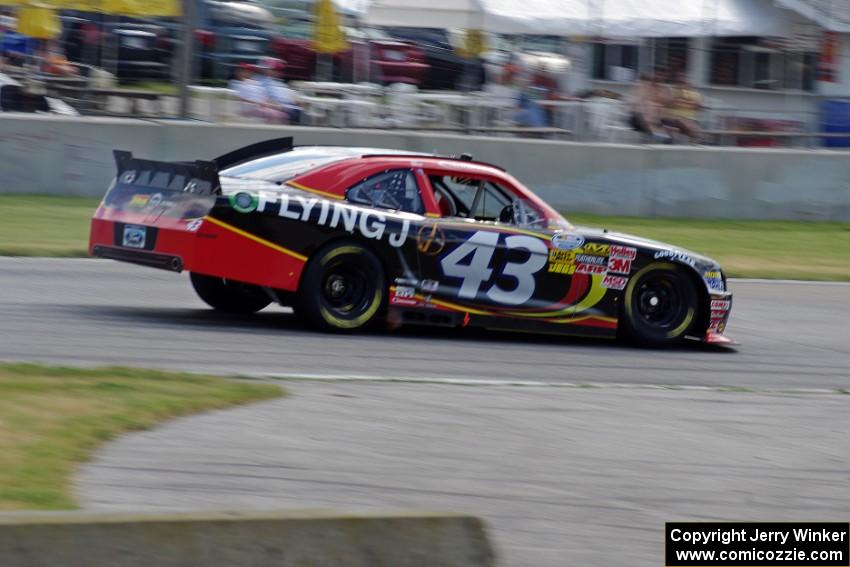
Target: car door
(475, 257)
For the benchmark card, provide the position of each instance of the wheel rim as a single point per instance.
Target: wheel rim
(659, 301)
(347, 291)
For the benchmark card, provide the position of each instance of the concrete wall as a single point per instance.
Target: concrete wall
(72, 156)
(247, 540)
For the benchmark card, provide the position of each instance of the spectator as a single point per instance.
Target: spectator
(648, 100)
(54, 62)
(685, 108)
(247, 90)
(278, 95)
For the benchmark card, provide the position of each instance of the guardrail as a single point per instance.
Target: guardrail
(274, 539)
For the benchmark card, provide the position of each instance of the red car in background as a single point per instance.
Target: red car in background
(389, 60)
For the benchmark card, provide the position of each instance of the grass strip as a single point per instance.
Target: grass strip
(58, 226)
(52, 418)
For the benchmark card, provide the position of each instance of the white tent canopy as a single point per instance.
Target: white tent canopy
(610, 18)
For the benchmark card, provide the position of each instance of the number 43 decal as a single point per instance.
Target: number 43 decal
(476, 271)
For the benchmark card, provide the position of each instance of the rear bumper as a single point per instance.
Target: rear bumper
(206, 246)
(150, 259)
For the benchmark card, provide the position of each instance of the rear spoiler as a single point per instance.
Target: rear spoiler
(197, 177)
(254, 151)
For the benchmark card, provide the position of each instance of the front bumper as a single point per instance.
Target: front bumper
(720, 306)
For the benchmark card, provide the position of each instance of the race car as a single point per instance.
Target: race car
(352, 236)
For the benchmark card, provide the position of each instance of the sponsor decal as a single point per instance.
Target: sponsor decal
(430, 240)
(590, 269)
(562, 268)
(404, 295)
(139, 201)
(714, 279)
(720, 305)
(429, 286)
(134, 236)
(623, 252)
(194, 225)
(619, 265)
(370, 224)
(675, 255)
(596, 249)
(243, 202)
(155, 201)
(614, 282)
(567, 241)
(562, 261)
(406, 281)
(405, 292)
(591, 259)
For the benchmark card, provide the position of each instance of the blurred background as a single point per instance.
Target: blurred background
(765, 73)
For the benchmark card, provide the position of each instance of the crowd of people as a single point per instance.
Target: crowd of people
(263, 93)
(666, 110)
(662, 105)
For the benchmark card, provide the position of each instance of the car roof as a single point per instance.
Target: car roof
(306, 159)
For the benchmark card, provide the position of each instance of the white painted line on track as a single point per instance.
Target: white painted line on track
(770, 281)
(535, 383)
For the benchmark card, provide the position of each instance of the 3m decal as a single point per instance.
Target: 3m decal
(619, 265)
(470, 262)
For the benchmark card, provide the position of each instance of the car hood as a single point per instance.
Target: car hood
(647, 244)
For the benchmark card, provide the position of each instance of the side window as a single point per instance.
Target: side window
(395, 189)
(471, 198)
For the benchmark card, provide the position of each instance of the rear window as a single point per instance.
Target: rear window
(395, 189)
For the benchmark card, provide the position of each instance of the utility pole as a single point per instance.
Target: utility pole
(184, 76)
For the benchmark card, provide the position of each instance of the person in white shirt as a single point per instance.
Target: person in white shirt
(253, 100)
(278, 95)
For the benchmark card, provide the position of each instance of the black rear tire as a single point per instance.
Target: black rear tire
(343, 289)
(228, 295)
(660, 306)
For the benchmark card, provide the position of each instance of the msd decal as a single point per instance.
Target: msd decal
(369, 224)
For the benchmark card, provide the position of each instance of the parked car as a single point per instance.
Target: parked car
(133, 48)
(390, 60)
(447, 69)
(534, 53)
(231, 32)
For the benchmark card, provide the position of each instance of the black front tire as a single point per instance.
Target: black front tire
(660, 306)
(343, 289)
(228, 295)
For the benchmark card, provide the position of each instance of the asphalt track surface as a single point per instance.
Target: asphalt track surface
(96, 312)
(562, 475)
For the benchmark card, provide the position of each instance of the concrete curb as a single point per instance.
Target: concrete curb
(282, 539)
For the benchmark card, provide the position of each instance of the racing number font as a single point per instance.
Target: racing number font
(477, 271)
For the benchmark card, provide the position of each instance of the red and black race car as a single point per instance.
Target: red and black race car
(350, 236)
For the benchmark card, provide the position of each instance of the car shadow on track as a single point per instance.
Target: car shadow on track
(277, 320)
